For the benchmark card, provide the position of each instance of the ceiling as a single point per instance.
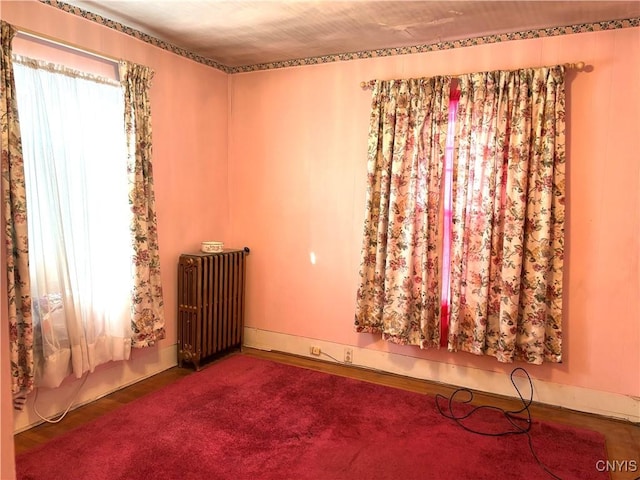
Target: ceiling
(238, 33)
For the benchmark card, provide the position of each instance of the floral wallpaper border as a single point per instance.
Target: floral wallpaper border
(339, 57)
(504, 37)
(156, 42)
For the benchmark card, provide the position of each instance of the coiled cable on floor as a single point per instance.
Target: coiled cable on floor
(521, 425)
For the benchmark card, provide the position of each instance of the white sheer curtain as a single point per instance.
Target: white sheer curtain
(80, 250)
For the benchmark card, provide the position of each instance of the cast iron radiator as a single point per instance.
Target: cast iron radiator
(210, 304)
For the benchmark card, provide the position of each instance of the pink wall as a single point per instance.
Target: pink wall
(189, 106)
(297, 169)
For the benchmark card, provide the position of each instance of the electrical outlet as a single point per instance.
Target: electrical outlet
(315, 350)
(348, 355)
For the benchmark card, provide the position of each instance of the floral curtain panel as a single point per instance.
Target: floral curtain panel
(399, 293)
(508, 215)
(15, 216)
(148, 321)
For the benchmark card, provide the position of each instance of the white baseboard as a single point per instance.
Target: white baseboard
(566, 396)
(106, 379)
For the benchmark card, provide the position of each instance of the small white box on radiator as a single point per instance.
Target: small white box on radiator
(211, 247)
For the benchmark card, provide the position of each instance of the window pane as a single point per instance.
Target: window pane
(78, 216)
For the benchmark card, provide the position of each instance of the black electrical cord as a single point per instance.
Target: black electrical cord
(510, 415)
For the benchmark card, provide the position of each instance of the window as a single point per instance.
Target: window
(75, 161)
(464, 230)
(447, 208)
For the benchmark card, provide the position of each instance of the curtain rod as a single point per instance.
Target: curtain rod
(579, 66)
(22, 32)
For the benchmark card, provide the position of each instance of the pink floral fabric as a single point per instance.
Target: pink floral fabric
(148, 322)
(508, 215)
(399, 292)
(15, 214)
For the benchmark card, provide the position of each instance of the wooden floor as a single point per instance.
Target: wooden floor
(622, 438)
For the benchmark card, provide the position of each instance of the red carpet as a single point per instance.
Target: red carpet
(247, 418)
